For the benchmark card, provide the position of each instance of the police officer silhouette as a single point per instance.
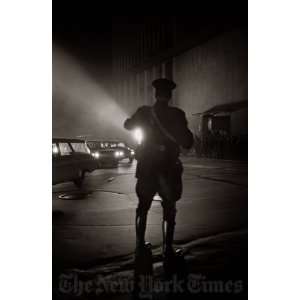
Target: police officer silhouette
(159, 169)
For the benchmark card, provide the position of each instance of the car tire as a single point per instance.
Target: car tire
(79, 181)
(130, 160)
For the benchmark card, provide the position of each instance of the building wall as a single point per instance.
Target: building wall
(213, 73)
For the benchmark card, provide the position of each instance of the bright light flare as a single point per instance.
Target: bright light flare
(96, 155)
(138, 135)
(119, 154)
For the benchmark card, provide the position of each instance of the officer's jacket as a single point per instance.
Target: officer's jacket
(172, 119)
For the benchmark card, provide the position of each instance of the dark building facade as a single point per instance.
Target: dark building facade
(205, 56)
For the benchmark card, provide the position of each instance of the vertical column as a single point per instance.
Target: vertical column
(145, 87)
(169, 69)
(154, 76)
(163, 70)
(149, 85)
(137, 90)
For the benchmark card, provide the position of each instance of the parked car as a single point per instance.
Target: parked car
(110, 152)
(71, 160)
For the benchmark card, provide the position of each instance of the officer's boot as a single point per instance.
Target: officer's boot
(168, 251)
(140, 228)
(168, 229)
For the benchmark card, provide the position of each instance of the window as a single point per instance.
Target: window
(79, 147)
(65, 149)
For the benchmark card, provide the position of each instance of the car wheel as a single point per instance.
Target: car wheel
(79, 181)
(130, 160)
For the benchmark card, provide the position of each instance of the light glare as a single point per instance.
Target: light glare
(138, 135)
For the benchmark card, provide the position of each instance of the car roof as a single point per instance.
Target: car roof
(105, 141)
(67, 140)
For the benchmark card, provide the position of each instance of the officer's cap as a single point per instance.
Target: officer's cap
(164, 85)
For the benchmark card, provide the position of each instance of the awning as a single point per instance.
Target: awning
(225, 108)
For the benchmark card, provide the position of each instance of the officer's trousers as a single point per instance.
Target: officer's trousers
(168, 185)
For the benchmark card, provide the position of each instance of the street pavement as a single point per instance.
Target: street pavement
(95, 234)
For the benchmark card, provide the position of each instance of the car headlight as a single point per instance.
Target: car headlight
(132, 152)
(121, 153)
(96, 155)
(117, 154)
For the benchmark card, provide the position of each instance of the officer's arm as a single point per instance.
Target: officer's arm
(134, 121)
(186, 138)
